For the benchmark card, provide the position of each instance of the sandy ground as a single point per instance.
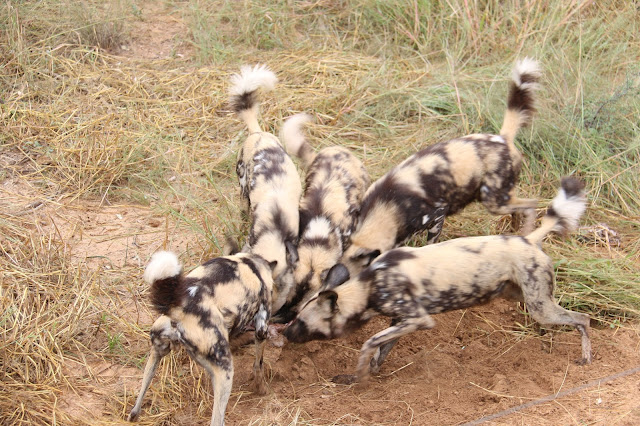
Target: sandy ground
(475, 363)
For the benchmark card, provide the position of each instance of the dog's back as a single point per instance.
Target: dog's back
(224, 292)
(457, 274)
(441, 179)
(334, 187)
(269, 182)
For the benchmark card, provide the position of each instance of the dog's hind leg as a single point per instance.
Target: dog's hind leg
(218, 363)
(500, 201)
(162, 334)
(393, 333)
(545, 310)
(222, 379)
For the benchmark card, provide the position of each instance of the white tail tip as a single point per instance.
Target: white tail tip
(291, 133)
(163, 264)
(526, 72)
(252, 79)
(570, 204)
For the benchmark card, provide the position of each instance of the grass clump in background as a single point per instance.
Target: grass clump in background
(85, 122)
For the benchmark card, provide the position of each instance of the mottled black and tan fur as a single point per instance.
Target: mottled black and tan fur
(269, 182)
(441, 179)
(203, 311)
(411, 284)
(335, 184)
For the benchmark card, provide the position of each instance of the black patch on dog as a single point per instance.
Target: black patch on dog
(167, 293)
(280, 225)
(393, 258)
(194, 308)
(312, 207)
(412, 206)
(521, 99)
(268, 163)
(571, 186)
(317, 242)
(241, 172)
(251, 264)
(474, 249)
(298, 332)
(286, 313)
(244, 101)
(220, 353)
(222, 269)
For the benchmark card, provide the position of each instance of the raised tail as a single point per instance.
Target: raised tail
(244, 92)
(565, 211)
(520, 104)
(294, 139)
(163, 273)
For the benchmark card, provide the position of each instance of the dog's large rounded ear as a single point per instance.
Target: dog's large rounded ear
(292, 253)
(365, 256)
(334, 276)
(273, 265)
(330, 297)
(231, 246)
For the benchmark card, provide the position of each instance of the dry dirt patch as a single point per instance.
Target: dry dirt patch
(159, 34)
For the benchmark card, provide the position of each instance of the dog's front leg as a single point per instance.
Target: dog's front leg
(149, 371)
(162, 333)
(404, 326)
(382, 352)
(259, 385)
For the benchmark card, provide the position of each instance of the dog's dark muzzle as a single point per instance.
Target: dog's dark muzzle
(298, 332)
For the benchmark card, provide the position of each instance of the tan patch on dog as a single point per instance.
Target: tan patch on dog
(198, 273)
(379, 230)
(465, 162)
(410, 176)
(201, 337)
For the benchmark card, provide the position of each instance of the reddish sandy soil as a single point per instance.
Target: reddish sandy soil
(475, 363)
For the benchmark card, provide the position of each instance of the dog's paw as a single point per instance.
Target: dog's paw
(583, 361)
(259, 386)
(345, 379)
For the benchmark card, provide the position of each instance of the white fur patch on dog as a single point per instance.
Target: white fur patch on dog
(496, 138)
(163, 264)
(570, 209)
(291, 132)
(319, 227)
(252, 79)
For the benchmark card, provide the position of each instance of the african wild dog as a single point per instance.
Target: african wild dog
(335, 184)
(410, 284)
(269, 182)
(203, 311)
(443, 178)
